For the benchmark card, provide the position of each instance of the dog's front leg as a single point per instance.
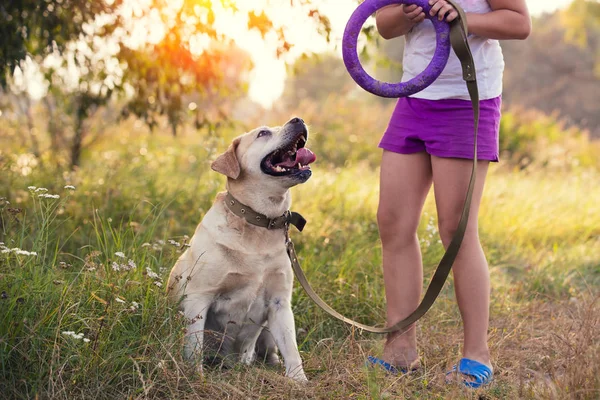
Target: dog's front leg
(281, 325)
(195, 309)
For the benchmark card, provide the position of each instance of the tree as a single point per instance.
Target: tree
(553, 73)
(154, 75)
(37, 27)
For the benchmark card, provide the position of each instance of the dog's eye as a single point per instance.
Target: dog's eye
(262, 133)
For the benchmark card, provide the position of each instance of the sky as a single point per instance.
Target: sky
(268, 77)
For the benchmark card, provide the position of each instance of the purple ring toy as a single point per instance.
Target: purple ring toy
(403, 89)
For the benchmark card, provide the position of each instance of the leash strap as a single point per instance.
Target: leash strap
(458, 40)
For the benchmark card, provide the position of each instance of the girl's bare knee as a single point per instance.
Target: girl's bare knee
(448, 228)
(394, 231)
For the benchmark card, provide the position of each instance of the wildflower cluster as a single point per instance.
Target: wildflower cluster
(43, 192)
(134, 304)
(153, 275)
(15, 250)
(123, 266)
(156, 246)
(78, 336)
(49, 196)
(159, 244)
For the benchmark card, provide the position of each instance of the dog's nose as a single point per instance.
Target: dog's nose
(296, 120)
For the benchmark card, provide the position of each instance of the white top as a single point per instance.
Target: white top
(487, 54)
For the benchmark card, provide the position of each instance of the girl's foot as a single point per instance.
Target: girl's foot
(470, 373)
(401, 351)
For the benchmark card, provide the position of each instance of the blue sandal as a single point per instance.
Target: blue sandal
(374, 361)
(482, 373)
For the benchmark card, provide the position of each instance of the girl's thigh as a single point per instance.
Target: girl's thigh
(450, 183)
(405, 180)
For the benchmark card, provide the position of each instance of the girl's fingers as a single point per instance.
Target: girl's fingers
(452, 16)
(435, 8)
(419, 18)
(441, 8)
(414, 13)
(409, 8)
(444, 10)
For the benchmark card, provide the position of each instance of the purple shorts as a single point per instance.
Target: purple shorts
(443, 128)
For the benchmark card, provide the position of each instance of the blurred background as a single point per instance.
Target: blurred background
(76, 72)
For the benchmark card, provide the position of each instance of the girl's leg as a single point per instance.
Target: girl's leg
(470, 270)
(404, 183)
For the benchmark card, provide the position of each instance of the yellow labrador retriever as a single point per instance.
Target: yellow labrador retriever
(236, 278)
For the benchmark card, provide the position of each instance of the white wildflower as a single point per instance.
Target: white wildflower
(146, 245)
(174, 243)
(134, 306)
(25, 252)
(151, 273)
(119, 300)
(157, 283)
(131, 264)
(6, 250)
(31, 187)
(70, 187)
(120, 254)
(41, 189)
(78, 336)
(49, 196)
(115, 266)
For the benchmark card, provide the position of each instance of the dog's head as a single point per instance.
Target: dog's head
(276, 154)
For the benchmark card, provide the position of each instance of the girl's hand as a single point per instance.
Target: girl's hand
(442, 9)
(413, 13)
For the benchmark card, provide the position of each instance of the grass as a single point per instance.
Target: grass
(137, 197)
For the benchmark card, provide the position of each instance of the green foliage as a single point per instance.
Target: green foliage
(531, 139)
(554, 70)
(582, 20)
(36, 27)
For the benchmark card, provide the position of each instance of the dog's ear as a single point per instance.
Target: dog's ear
(227, 163)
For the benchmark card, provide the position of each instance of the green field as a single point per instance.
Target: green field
(138, 196)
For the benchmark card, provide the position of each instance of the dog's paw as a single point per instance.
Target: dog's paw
(248, 357)
(297, 375)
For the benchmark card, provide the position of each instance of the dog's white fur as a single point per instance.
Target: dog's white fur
(236, 278)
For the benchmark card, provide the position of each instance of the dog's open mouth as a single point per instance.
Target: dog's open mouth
(289, 160)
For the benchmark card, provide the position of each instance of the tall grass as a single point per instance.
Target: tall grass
(83, 313)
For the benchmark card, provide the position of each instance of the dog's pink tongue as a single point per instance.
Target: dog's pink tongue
(304, 156)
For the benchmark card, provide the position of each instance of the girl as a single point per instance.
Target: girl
(429, 139)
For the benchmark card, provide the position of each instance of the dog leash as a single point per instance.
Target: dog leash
(458, 41)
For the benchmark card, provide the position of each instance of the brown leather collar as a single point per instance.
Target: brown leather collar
(258, 219)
